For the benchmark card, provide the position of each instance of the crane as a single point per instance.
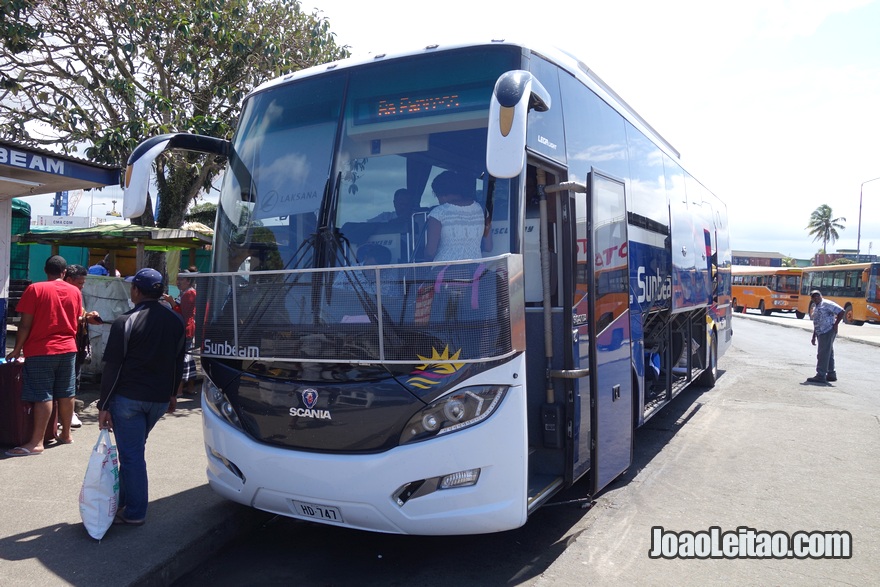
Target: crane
(73, 199)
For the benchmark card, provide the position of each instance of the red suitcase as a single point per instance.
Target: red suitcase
(16, 416)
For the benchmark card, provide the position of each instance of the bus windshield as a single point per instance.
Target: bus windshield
(354, 154)
(787, 283)
(323, 211)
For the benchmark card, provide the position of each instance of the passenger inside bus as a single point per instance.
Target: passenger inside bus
(458, 227)
(404, 206)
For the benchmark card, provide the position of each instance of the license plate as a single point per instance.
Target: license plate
(318, 511)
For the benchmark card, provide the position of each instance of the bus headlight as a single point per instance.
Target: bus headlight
(455, 411)
(217, 402)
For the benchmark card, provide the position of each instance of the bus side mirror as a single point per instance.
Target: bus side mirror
(136, 181)
(515, 93)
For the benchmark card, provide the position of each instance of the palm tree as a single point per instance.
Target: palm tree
(823, 227)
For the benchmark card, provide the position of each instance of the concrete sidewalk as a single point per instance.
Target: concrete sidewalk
(44, 542)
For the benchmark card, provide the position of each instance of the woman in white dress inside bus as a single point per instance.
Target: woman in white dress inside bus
(457, 228)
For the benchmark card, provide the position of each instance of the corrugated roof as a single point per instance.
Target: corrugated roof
(119, 236)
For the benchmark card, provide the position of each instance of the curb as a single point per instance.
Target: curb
(227, 530)
(805, 325)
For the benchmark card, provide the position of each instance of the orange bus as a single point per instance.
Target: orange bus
(854, 286)
(767, 289)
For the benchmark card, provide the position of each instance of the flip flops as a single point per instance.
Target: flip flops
(20, 451)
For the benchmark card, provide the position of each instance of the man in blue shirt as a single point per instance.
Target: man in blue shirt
(826, 317)
(99, 268)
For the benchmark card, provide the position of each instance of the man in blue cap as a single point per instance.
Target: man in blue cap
(143, 365)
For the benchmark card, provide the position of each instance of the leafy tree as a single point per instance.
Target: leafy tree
(823, 227)
(205, 213)
(17, 34)
(102, 75)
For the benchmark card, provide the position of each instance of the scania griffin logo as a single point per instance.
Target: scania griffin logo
(310, 400)
(310, 397)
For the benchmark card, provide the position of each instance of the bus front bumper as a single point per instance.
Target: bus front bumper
(391, 492)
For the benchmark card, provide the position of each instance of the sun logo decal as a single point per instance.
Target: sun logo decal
(430, 373)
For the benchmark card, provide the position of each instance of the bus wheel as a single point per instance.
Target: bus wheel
(736, 307)
(799, 314)
(848, 316)
(764, 312)
(710, 375)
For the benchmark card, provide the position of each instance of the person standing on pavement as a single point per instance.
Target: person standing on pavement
(46, 336)
(185, 305)
(143, 366)
(826, 318)
(76, 276)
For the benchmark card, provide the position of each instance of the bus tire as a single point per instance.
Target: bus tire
(848, 316)
(799, 314)
(764, 312)
(710, 375)
(737, 307)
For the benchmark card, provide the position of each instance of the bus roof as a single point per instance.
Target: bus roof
(753, 270)
(840, 267)
(564, 59)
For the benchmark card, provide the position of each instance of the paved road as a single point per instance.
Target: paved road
(763, 450)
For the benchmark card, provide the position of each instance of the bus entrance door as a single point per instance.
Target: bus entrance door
(608, 330)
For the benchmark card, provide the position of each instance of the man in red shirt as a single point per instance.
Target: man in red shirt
(185, 305)
(49, 313)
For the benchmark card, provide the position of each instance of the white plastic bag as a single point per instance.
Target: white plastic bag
(99, 496)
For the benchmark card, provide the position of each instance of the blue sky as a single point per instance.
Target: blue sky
(773, 104)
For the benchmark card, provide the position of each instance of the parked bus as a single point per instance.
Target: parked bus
(767, 289)
(854, 287)
(398, 394)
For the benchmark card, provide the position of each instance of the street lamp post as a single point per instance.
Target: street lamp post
(859, 235)
(92, 205)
